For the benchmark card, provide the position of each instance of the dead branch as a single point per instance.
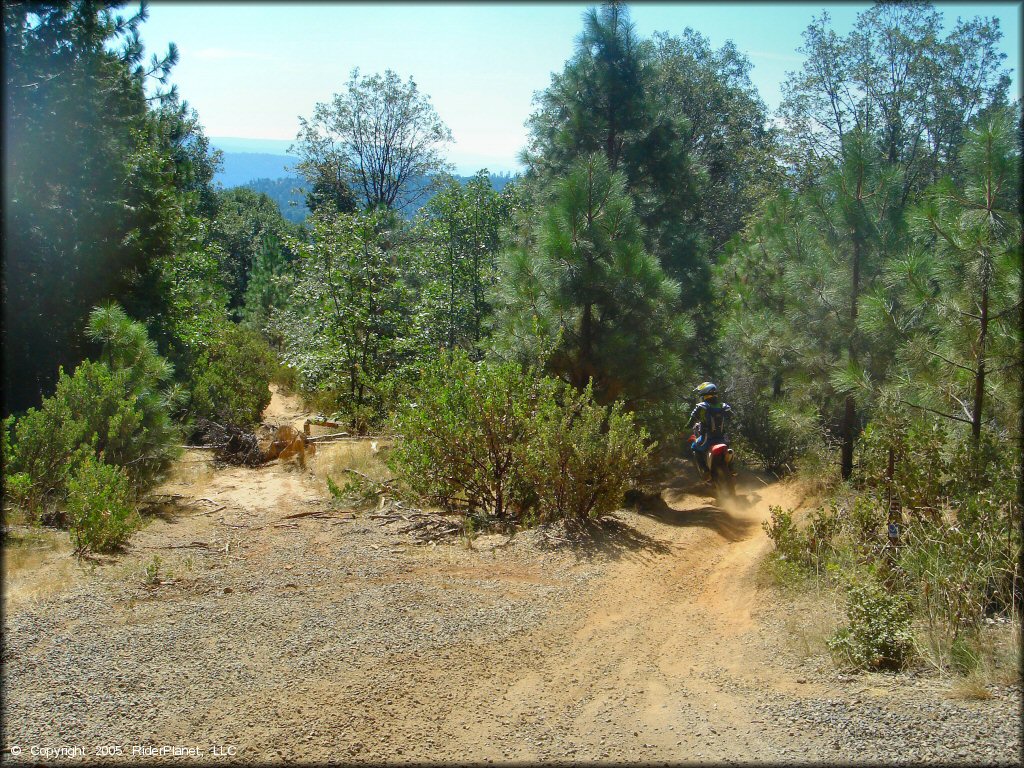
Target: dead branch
(209, 512)
(309, 513)
(329, 438)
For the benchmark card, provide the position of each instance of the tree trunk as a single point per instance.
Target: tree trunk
(586, 342)
(979, 376)
(850, 412)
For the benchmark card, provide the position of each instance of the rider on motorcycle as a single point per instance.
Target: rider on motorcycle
(708, 420)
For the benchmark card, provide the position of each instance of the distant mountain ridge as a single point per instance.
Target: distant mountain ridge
(275, 176)
(252, 146)
(240, 168)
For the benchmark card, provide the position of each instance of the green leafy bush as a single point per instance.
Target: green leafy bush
(920, 462)
(18, 489)
(878, 634)
(230, 378)
(766, 433)
(495, 440)
(461, 441)
(808, 549)
(100, 509)
(784, 533)
(582, 458)
(117, 407)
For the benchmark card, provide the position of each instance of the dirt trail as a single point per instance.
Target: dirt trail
(332, 637)
(658, 661)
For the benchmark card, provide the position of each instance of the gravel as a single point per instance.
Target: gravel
(340, 640)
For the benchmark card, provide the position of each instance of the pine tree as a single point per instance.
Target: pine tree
(809, 265)
(953, 301)
(76, 118)
(584, 295)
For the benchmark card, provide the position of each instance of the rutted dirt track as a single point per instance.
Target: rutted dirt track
(334, 638)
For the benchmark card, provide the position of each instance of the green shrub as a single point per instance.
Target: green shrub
(809, 549)
(878, 634)
(152, 571)
(494, 440)
(358, 492)
(286, 377)
(783, 532)
(100, 511)
(461, 440)
(18, 489)
(767, 433)
(919, 459)
(117, 407)
(822, 529)
(230, 378)
(582, 458)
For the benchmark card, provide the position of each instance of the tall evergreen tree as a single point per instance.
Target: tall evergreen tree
(249, 228)
(76, 123)
(605, 101)
(953, 301)
(805, 271)
(584, 296)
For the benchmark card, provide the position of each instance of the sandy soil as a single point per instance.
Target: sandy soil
(333, 637)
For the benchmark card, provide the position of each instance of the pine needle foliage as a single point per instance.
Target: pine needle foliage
(584, 296)
(116, 409)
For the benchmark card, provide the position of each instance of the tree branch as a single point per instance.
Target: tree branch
(938, 413)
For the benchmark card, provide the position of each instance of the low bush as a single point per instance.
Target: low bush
(462, 439)
(952, 560)
(784, 534)
(768, 435)
(117, 407)
(100, 510)
(498, 442)
(878, 634)
(582, 458)
(286, 377)
(230, 378)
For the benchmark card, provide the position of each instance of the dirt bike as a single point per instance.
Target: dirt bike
(717, 462)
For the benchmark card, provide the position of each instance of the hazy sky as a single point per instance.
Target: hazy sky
(250, 70)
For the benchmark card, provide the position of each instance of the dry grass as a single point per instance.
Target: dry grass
(366, 457)
(996, 648)
(193, 470)
(812, 618)
(37, 563)
(972, 688)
